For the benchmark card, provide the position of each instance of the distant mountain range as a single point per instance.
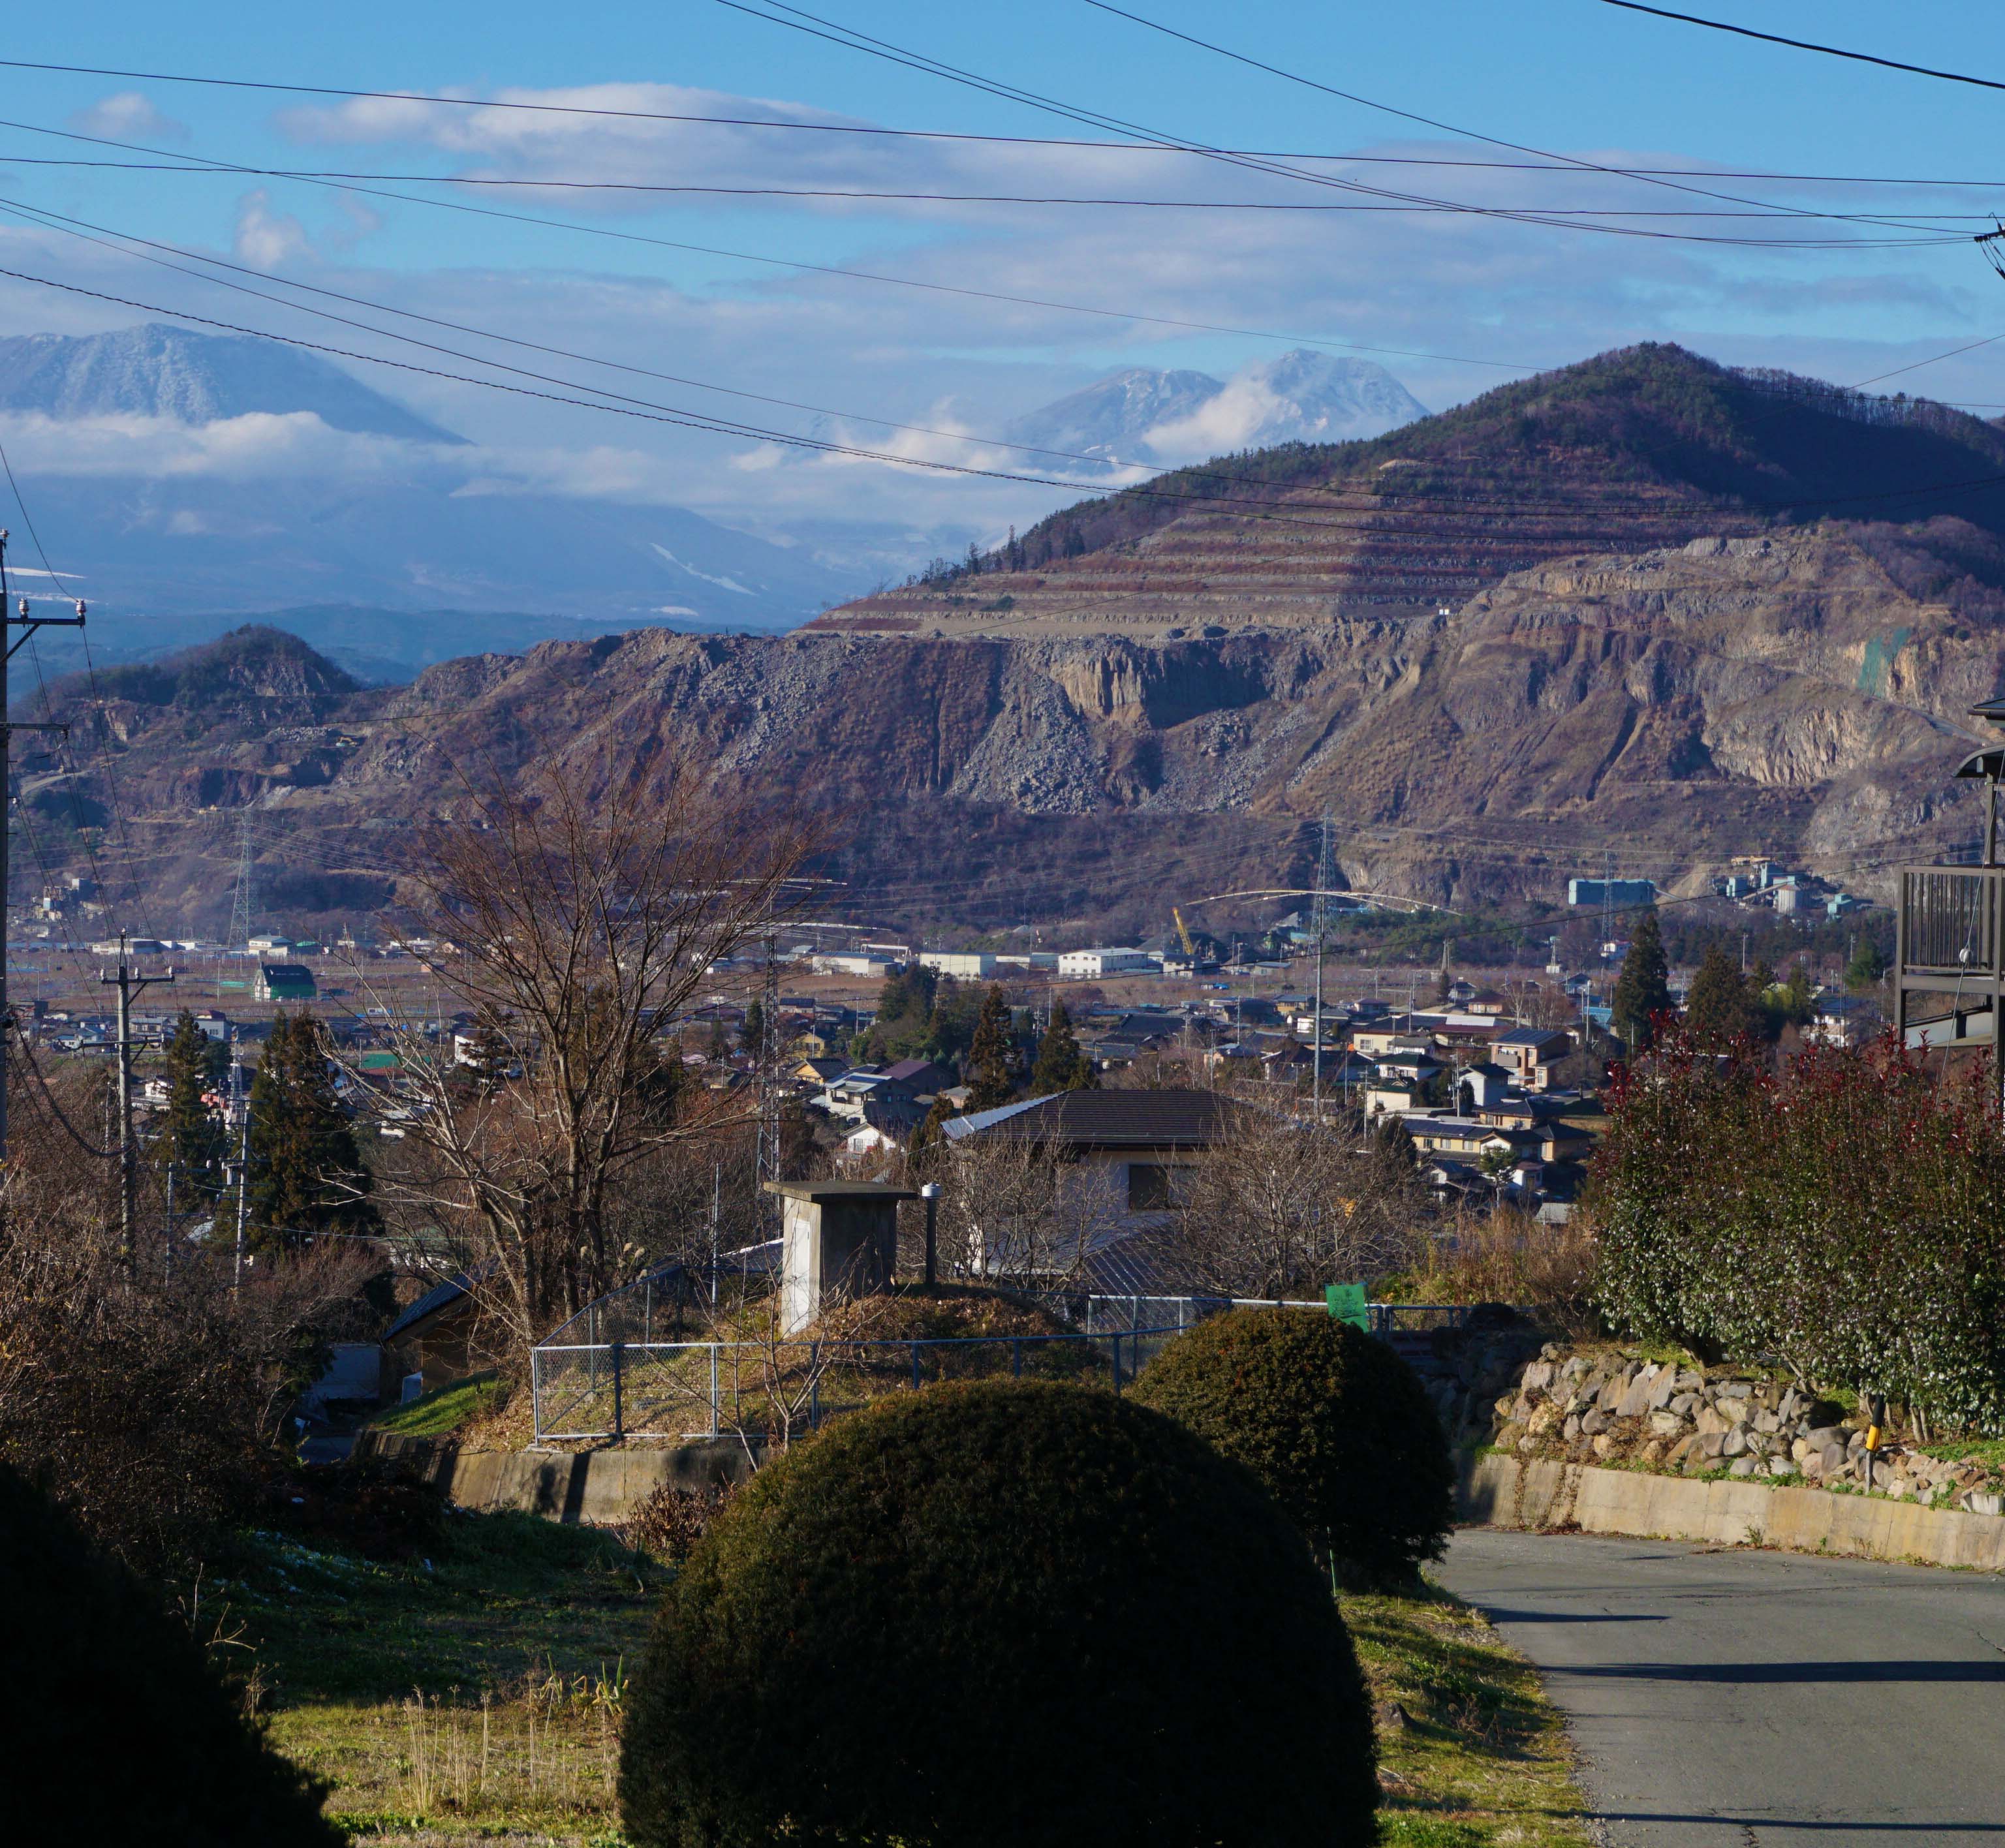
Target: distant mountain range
(158, 371)
(180, 556)
(1161, 419)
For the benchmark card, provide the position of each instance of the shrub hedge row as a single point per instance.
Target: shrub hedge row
(1842, 1217)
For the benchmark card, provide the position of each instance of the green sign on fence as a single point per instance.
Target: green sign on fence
(1346, 1302)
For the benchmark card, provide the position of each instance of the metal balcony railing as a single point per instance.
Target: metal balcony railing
(1950, 924)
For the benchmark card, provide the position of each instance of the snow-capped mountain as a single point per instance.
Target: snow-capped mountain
(425, 526)
(1162, 419)
(154, 370)
(1110, 420)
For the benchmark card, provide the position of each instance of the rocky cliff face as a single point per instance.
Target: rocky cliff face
(1683, 704)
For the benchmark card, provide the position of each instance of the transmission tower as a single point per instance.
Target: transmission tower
(239, 910)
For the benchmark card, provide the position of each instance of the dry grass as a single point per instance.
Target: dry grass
(540, 1759)
(1511, 1258)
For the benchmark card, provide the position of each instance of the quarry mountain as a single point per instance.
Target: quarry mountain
(1645, 605)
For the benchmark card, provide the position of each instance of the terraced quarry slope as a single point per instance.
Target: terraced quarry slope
(1645, 447)
(1800, 692)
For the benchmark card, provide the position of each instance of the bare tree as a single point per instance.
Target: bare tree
(1279, 1207)
(574, 928)
(1016, 1214)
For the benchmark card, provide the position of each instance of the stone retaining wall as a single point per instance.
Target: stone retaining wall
(596, 1488)
(1602, 1407)
(1509, 1492)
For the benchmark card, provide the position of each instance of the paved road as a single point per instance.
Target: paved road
(1736, 1699)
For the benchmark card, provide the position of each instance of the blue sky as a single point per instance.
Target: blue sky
(1574, 76)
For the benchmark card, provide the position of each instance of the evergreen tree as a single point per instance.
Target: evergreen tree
(485, 1061)
(1643, 989)
(1720, 1007)
(1867, 967)
(991, 1067)
(719, 1048)
(1061, 1065)
(306, 1174)
(927, 1150)
(192, 1140)
(753, 1038)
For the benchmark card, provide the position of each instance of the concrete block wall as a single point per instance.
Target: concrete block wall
(1509, 1492)
(593, 1488)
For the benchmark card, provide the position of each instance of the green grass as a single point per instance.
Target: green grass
(476, 1695)
(1484, 1758)
(1990, 1451)
(444, 1410)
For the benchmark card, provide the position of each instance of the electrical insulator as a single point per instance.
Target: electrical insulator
(24, 609)
(79, 609)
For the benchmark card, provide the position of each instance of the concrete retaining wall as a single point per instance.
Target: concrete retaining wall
(598, 1488)
(1505, 1492)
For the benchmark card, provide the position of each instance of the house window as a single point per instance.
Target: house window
(1154, 1188)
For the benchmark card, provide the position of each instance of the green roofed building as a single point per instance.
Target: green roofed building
(286, 982)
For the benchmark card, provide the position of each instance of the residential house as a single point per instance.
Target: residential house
(1125, 1152)
(1529, 1053)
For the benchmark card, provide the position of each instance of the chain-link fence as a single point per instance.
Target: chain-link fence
(618, 1368)
(679, 1390)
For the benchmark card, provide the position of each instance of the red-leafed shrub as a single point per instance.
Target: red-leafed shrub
(1841, 1216)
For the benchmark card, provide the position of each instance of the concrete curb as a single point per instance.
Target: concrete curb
(593, 1488)
(1506, 1492)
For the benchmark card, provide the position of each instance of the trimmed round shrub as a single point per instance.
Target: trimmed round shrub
(1331, 1419)
(119, 1730)
(999, 1614)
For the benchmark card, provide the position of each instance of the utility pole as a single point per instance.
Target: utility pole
(242, 1163)
(768, 1056)
(1320, 915)
(128, 983)
(14, 617)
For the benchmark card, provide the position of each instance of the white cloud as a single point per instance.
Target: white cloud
(128, 116)
(267, 239)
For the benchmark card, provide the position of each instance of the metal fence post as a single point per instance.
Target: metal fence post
(619, 1408)
(1015, 1360)
(1117, 1362)
(915, 1367)
(814, 1386)
(714, 1406)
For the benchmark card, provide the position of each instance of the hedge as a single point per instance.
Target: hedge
(117, 1730)
(1000, 1615)
(1336, 1424)
(1841, 1217)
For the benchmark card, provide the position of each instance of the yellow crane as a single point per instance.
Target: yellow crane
(1183, 930)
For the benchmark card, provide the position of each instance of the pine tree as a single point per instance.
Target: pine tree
(928, 1147)
(752, 1037)
(1720, 1008)
(720, 1042)
(1643, 989)
(1866, 968)
(306, 1174)
(1061, 1065)
(192, 1140)
(991, 1078)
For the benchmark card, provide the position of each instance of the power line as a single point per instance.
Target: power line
(815, 26)
(1370, 503)
(1430, 121)
(1803, 44)
(205, 162)
(907, 196)
(1553, 164)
